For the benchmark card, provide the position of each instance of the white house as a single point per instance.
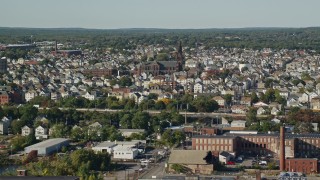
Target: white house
(315, 127)
(239, 109)
(30, 95)
(4, 127)
(275, 120)
(41, 133)
(238, 123)
(275, 111)
(26, 131)
(137, 97)
(261, 111)
(191, 63)
(198, 88)
(303, 98)
(220, 101)
(89, 96)
(224, 157)
(95, 128)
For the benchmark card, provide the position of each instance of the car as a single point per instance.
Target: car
(240, 159)
(263, 163)
(231, 163)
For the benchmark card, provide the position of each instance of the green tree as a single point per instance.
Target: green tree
(125, 121)
(228, 99)
(254, 98)
(162, 57)
(208, 158)
(251, 116)
(77, 134)
(59, 131)
(160, 105)
(140, 120)
(125, 81)
(153, 96)
(205, 104)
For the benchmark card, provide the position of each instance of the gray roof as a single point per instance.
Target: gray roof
(48, 143)
(187, 157)
(106, 144)
(132, 130)
(225, 154)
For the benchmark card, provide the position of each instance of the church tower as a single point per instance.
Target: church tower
(179, 57)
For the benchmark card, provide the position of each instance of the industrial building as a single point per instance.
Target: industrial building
(125, 152)
(104, 147)
(48, 147)
(290, 149)
(262, 144)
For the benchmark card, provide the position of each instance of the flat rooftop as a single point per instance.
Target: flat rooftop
(105, 144)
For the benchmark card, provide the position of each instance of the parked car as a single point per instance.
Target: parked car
(263, 163)
(231, 163)
(239, 159)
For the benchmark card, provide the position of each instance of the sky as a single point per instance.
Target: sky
(171, 14)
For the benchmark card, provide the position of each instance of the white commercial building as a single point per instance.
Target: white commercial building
(104, 147)
(48, 146)
(125, 152)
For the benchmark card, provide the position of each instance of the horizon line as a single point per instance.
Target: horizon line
(133, 28)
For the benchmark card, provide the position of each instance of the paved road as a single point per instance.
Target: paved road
(156, 170)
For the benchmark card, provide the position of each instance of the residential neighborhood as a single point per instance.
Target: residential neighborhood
(213, 105)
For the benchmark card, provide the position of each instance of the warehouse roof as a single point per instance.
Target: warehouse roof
(48, 143)
(105, 144)
(187, 157)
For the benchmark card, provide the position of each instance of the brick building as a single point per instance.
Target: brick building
(215, 144)
(100, 72)
(9, 94)
(4, 97)
(163, 67)
(296, 145)
(304, 165)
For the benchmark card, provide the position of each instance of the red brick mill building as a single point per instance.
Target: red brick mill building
(296, 147)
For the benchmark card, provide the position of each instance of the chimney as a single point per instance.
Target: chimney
(282, 149)
(258, 175)
(56, 47)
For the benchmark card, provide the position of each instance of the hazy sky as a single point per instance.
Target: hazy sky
(110, 14)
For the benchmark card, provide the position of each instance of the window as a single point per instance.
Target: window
(197, 140)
